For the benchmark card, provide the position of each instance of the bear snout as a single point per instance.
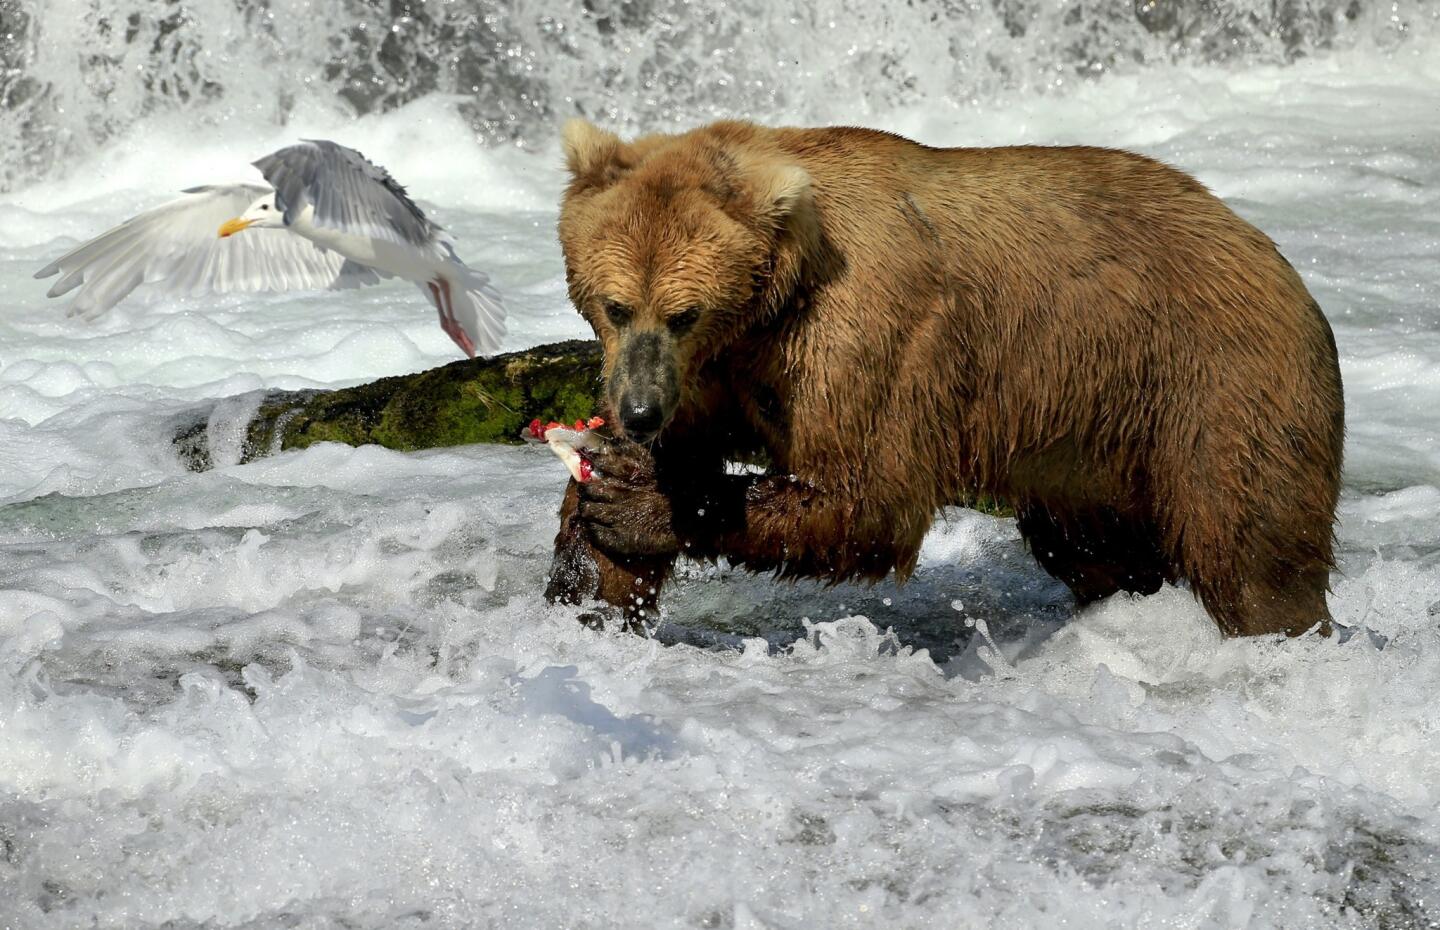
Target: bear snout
(645, 385)
(641, 417)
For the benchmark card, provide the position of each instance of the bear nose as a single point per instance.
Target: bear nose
(641, 419)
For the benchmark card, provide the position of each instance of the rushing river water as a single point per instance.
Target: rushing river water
(321, 690)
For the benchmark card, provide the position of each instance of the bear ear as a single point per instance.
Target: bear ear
(594, 156)
(778, 191)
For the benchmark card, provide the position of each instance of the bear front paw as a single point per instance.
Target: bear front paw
(622, 506)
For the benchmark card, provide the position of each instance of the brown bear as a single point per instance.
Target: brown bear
(1084, 333)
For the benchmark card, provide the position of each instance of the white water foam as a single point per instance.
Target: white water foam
(321, 689)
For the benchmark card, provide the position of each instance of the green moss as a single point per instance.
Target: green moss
(338, 430)
(479, 400)
(572, 403)
(451, 412)
(988, 504)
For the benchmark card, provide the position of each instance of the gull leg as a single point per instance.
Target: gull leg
(440, 295)
(457, 332)
(439, 307)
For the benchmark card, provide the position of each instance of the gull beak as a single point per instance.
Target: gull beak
(231, 227)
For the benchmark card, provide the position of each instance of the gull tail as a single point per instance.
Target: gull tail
(477, 307)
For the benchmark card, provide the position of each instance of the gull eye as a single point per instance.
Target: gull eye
(618, 313)
(264, 206)
(683, 321)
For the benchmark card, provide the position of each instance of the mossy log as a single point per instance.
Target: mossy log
(477, 400)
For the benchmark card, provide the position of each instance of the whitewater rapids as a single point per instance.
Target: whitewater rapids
(322, 690)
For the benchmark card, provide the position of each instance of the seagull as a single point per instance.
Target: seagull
(328, 218)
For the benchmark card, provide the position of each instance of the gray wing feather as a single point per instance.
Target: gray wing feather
(347, 192)
(354, 274)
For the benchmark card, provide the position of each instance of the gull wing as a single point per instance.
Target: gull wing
(176, 248)
(348, 192)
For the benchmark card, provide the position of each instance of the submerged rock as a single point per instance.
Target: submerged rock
(469, 401)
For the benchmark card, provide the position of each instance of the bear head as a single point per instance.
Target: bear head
(675, 247)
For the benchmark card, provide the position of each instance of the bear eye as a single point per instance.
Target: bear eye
(682, 322)
(618, 313)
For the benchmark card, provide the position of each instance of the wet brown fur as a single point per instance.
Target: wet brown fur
(1086, 333)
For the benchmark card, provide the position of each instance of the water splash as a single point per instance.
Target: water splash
(75, 73)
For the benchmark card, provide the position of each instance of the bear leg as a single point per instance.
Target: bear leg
(1260, 562)
(1095, 554)
(1267, 599)
(579, 571)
